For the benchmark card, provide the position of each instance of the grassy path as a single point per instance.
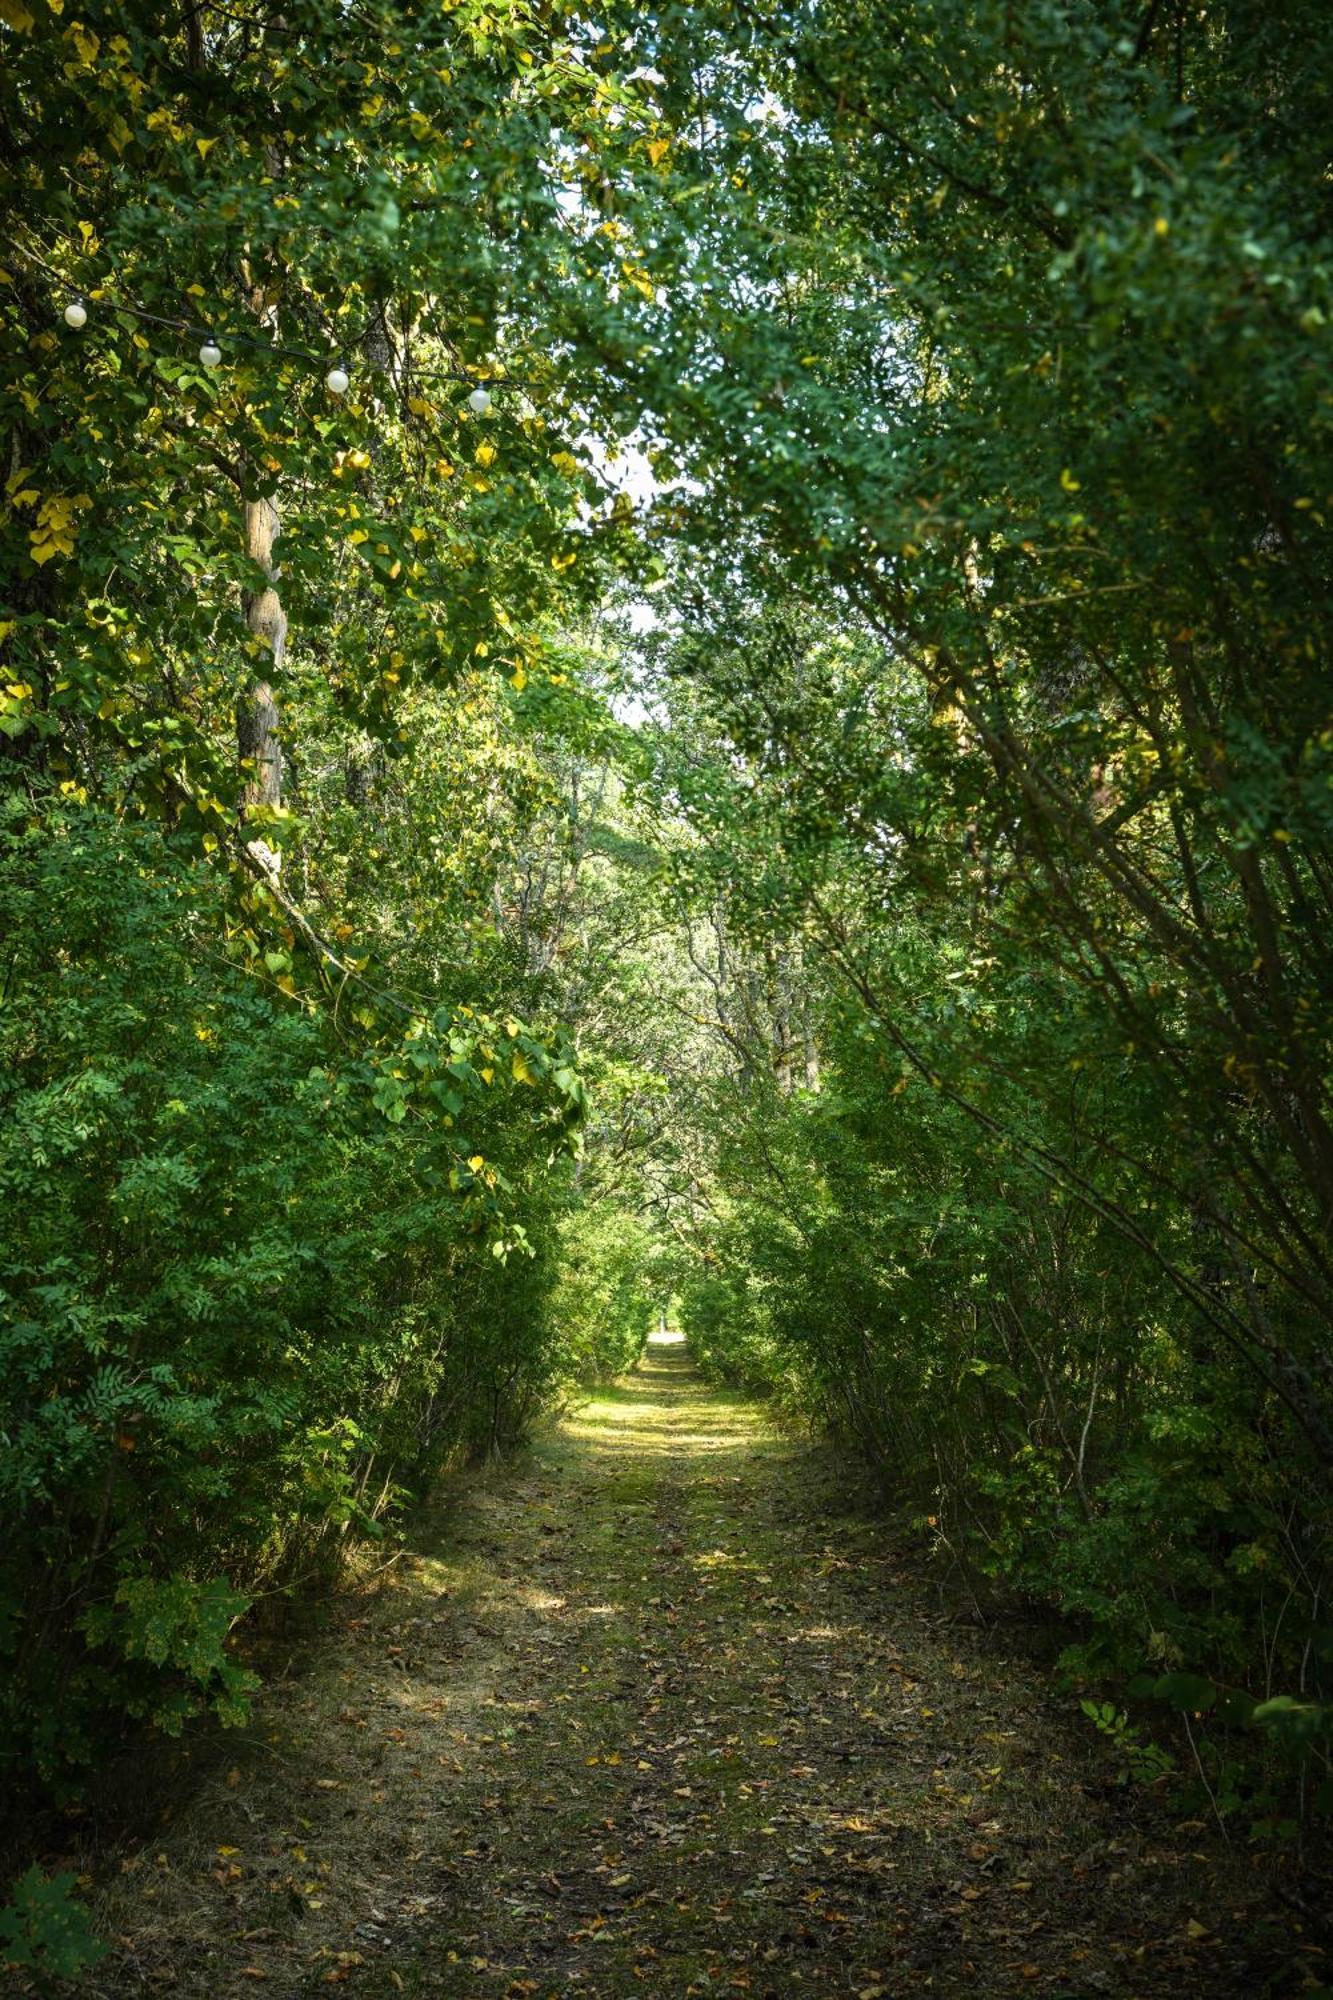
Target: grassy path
(655, 1713)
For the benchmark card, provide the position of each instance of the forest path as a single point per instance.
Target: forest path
(657, 1712)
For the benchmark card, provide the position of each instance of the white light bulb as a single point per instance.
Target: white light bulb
(76, 314)
(210, 354)
(480, 401)
(337, 381)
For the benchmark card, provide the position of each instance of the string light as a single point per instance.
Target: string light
(337, 379)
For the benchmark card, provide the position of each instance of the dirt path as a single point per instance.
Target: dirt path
(654, 1713)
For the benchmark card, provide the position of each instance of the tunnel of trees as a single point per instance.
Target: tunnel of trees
(669, 654)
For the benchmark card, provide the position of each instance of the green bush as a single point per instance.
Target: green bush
(1029, 1386)
(45, 1930)
(245, 1313)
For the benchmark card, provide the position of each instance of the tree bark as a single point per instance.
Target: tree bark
(257, 740)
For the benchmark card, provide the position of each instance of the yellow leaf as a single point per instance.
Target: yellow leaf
(477, 1162)
(518, 680)
(521, 1070)
(1068, 481)
(485, 454)
(15, 15)
(658, 149)
(565, 561)
(204, 147)
(640, 280)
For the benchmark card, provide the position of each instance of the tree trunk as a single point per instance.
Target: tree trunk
(257, 740)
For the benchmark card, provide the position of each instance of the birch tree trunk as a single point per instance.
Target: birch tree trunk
(257, 739)
(258, 743)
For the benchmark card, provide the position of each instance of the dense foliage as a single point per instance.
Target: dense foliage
(1008, 705)
(290, 1097)
(924, 971)
(254, 1301)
